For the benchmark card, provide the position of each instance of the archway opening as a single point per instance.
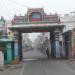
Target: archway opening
(34, 45)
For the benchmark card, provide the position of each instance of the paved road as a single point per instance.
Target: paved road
(33, 54)
(41, 67)
(47, 67)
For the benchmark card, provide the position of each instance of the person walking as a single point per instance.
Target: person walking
(47, 53)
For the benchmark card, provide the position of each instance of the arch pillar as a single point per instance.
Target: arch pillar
(17, 45)
(52, 42)
(55, 43)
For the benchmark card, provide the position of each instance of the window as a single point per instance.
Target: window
(36, 15)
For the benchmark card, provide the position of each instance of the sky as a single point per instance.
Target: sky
(8, 8)
(32, 36)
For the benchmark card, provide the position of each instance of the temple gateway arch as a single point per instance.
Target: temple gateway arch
(36, 20)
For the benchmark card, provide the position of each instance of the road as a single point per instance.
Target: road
(47, 67)
(41, 66)
(33, 54)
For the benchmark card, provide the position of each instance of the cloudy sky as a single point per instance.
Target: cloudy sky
(10, 7)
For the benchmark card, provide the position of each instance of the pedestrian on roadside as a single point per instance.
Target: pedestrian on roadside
(47, 53)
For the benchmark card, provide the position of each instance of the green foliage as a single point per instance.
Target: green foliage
(0, 34)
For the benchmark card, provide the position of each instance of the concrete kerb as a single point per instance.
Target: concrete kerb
(16, 66)
(5, 67)
(11, 66)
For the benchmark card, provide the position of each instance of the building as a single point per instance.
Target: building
(37, 15)
(42, 42)
(26, 42)
(6, 45)
(68, 34)
(3, 29)
(68, 20)
(9, 32)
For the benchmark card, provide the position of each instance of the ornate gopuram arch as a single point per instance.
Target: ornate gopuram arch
(36, 20)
